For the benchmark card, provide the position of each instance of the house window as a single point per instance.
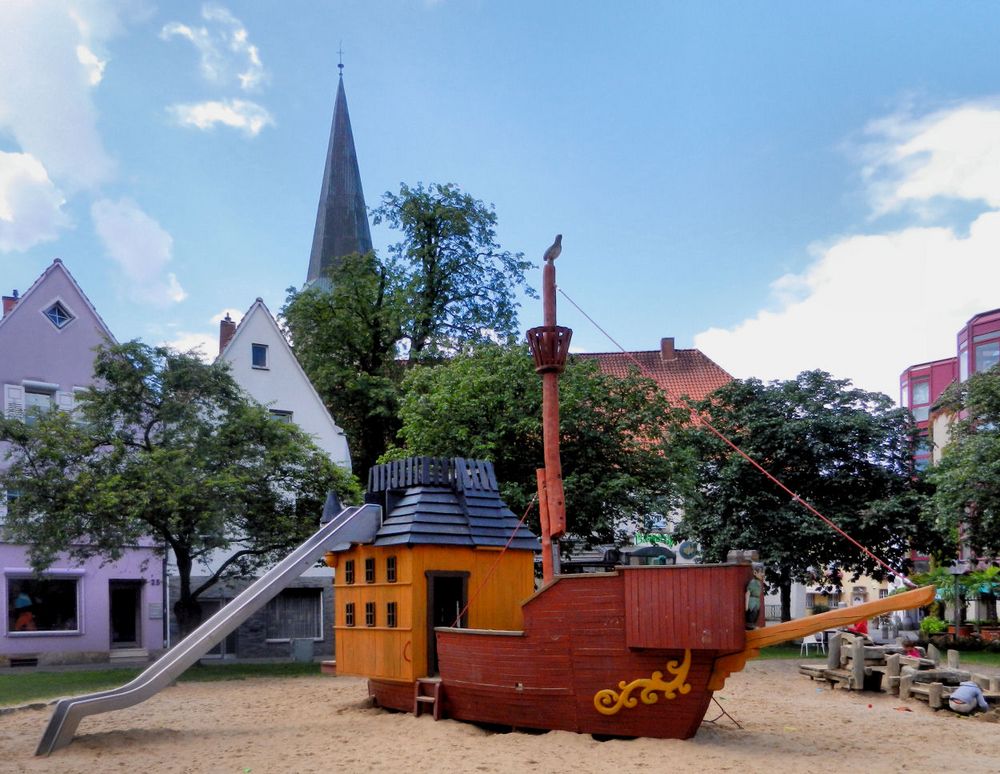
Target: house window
(963, 364)
(987, 355)
(349, 571)
(390, 569)
(258, 355)
(349, 614)
(390, 615)
(369, 613)
(36, 403)
(281, 416)
(42, 605)
(369, 570)
(6, 500)
(921, 398)
(58, 315)
(294, 614)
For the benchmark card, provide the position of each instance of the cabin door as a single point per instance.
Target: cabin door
(447, 595)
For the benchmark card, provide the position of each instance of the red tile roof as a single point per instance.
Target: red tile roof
(691, 373)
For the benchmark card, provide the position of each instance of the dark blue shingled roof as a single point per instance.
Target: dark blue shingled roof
(439, 501)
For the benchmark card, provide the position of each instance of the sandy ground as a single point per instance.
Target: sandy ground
(789, 724)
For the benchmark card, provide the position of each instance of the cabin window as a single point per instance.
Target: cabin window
(349, 571)
(349, 614)
(390, 615)
(369, 570)
(369, 613)
(390, 569)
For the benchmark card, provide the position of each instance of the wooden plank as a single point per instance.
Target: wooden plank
(670, 607)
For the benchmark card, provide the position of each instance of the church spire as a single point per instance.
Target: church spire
(342, 218)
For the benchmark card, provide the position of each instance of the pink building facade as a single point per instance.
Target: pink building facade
(72, 612)
(921, 385)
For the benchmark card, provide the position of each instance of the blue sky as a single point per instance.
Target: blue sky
(784, 185)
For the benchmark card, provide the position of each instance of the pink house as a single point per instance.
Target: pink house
(72, 613)
(921, 385)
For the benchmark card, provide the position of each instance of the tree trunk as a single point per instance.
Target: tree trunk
(186, 608)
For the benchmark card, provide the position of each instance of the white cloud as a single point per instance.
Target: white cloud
(872, 304)
(234, 314)
(141, 248)
(225, 52)
(30, 204)
(205, 344)
(951, 154)
(249, 117)
(94, 65)
(48, 67)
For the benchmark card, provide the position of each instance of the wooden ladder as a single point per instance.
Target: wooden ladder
(427, 695)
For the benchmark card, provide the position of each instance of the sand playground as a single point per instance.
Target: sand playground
(324, 724)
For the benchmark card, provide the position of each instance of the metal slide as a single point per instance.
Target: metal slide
(356, 524)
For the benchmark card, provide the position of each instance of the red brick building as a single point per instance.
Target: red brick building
(678, 372)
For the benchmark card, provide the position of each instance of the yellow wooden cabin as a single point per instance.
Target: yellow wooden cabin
(438, 559)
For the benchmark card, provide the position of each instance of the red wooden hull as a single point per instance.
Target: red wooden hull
(591, 633)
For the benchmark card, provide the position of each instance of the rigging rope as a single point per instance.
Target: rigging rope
(699, 419)
(513, 534)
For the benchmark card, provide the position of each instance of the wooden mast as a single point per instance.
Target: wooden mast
(549, 345)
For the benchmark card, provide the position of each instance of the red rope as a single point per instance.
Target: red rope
(496, 562)
(701, 420)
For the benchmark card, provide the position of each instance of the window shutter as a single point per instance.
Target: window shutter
(13, 401)
(65, 401)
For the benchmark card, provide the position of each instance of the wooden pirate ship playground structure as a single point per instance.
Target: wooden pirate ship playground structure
(436, 605)
(438, 610)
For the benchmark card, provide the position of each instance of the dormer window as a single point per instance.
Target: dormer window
(258, 355)
(58, 315)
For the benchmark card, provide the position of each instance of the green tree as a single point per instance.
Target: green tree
(846, 451)
(487, 404)
(967, 479)
(445, 285)
(165, 448)
(346, 340)
(459, 284)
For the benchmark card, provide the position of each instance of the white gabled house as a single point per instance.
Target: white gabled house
(263, 364)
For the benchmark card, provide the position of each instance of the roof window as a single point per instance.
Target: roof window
(58, 315)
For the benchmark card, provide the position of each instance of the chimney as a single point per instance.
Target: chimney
(9, 302)
(226, 330)
(667, 350)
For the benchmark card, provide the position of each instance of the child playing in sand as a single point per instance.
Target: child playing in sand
(966, 698)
